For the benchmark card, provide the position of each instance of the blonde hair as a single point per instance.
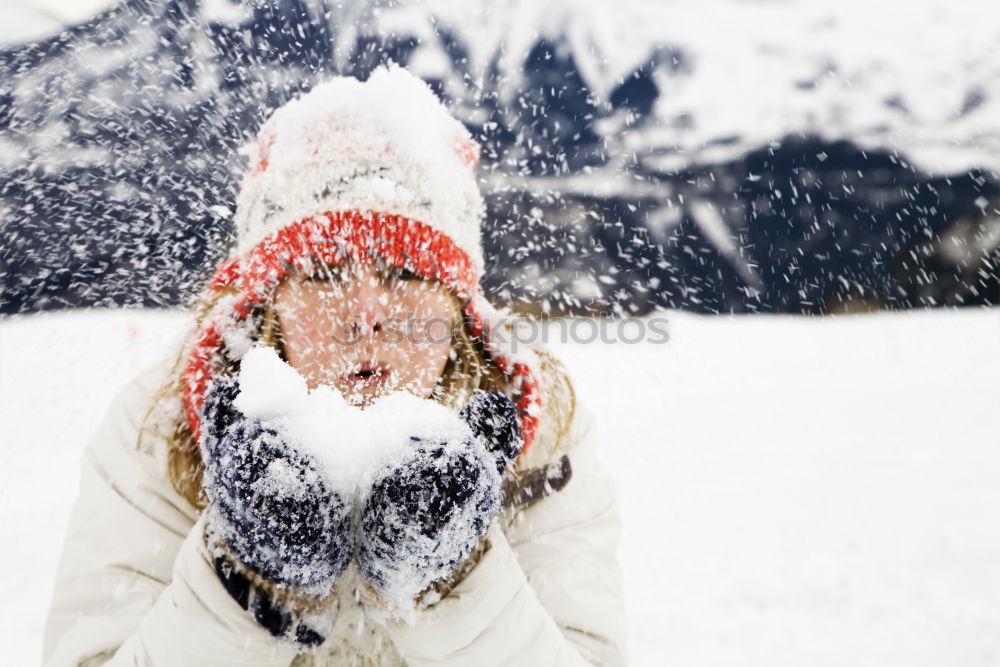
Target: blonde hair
(468, 367)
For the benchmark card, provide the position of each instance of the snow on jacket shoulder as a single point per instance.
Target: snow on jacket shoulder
(135, 585)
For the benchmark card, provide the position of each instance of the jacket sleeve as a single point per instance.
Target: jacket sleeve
(546, 592)
(135, 585)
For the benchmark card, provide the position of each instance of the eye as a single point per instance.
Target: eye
(324, 274)
(405, 274)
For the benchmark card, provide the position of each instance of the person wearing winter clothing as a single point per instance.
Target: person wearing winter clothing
(459, 515)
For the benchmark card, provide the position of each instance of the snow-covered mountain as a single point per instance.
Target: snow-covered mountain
(735, 155)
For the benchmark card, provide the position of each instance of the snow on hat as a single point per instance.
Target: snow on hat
(363, 171)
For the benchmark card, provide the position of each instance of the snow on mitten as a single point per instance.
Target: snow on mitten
(426, 514)
(269, 503)
(492, 417)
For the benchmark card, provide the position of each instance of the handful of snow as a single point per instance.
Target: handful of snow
(349, 444)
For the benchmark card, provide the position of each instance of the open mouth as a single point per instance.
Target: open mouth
(368, 373)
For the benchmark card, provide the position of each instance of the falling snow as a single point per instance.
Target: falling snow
(794, 490)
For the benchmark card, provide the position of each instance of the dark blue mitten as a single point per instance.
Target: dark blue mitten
(425, 514)
(492, 417)
(271, 504)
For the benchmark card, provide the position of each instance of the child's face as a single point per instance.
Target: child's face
(366, 330)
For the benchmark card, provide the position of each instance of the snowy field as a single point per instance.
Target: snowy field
(795, 491)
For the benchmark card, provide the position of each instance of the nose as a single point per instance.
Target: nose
(368, 300)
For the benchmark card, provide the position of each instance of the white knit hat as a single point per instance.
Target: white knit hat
(359, 171)
(385, 145)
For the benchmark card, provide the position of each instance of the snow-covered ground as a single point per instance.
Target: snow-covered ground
(795, 491)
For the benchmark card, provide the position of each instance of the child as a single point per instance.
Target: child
(207, 532)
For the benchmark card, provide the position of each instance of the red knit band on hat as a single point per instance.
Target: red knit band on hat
(332, 238)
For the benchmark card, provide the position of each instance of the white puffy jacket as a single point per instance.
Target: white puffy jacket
(136, 587)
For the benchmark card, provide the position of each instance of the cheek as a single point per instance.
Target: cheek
(429, 303)
(430, 339)
(424, 362)
(308, 332)
(303, 337)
